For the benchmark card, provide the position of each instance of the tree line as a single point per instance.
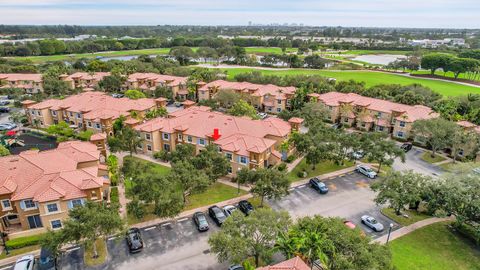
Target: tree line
(450, 63)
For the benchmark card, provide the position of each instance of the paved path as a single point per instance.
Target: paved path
(410, 228)
(293, 164)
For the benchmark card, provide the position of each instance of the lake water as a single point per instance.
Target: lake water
(378, 59)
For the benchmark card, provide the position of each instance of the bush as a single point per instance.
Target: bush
(282, 167)
(85, 135)
(114, 195)
(302, 174)
(24, 241)
(290, 159)
(470, 232)
(162, 155)
(136, 209)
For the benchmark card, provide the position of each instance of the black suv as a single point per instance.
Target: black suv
(246, 207)
(318, 185)
(406, 147)
(134, 240)
(201, 221)
(217, 215)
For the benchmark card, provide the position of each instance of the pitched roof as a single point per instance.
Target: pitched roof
(97, 105)
(95, 76)
(159, 78)
(292, 264)
(406, 113)
(50, 175)
(21, 77)
(238, 134)
(279, 92)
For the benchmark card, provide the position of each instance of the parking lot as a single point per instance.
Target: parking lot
(178, 245)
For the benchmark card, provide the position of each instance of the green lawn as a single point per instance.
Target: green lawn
(18, 251)
(217, 192)
(413, 216)
(154, 167)
(370, 78)
(427, 156)
(267, 50)
(321, 168)
(434, 247)
(447, 74)
(102, 254)
(363, 52)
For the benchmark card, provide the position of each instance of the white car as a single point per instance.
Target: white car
(229, 209)
(372, 223)
(25, 263)
(7, 126)
(367, 171)
(262, 115)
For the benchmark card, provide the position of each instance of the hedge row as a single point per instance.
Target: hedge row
(24, 241)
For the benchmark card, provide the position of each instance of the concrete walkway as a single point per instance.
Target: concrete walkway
(293, 164)
(410, 228)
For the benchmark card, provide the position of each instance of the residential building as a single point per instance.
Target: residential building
(92, 110)
(37, 189)
(148, 82)
(245, 142)
(268, 98)
(368, 114)
(30, 83)
(293, 264)
(84, 80)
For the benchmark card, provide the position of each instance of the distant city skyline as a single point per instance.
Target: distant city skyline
(368, 13)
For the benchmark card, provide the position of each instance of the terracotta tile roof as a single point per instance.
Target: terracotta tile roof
(292, 264)
(466, 124)
(407, 113)
(13, 77)
(295, 120)
(97, 105)
(96, 76)
(98, 137)
(50, 175)
(159, 78)
(238, 133)
(188, 102)
(279, 92)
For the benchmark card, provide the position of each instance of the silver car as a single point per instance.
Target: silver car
(229, 209)
(367, 171)
(372, 223)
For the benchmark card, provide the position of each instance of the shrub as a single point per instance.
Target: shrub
(282, 167)
(85, 135)
(24, 241)
(290, 159)
(302, 174)
(136, 209)
(114, 195)
(162, 155)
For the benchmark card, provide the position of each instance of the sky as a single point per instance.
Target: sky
(369, 13)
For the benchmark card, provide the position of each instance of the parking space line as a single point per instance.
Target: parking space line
(182, 219)
(112, 238)
(165, 224)
(72, 249)
(290, 189)
(302, 186)
(149, 228)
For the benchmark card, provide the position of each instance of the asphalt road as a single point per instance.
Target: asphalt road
(414, 162)
(180, 246)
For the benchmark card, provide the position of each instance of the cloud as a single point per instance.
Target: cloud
(380, 13)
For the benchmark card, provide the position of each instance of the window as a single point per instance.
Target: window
(166, 136)
(279, 109)
(80, 125)
(379, 114)
(54, 113)
(279, 101)
(400, 134)
(56, 224)
(229, 156)
(166, 147)
(28, 204)
(189, 138)
(71, 114)
(94, 194)
(180, 137)
(363, 124)
(402, 124)
(52, 207)
(79, 116)
(149, 147)
(34, 221)
(269, 109)
(243, 160)
(201, 141)
(38, 113)
(89, 124)
(380, 128)
(147, 137)
(32, 112)
(345, 120)
(229, 170)
(76, 202)
(98, 126)
(6, 205)
(140, 146)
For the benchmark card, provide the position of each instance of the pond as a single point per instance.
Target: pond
(378, 59)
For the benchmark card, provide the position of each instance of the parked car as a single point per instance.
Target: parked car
(318, 185)
(178, 104)
(117, 95)
(236, 267)
(229, 209)
(201, 221)
(4, 109)
(7, 126)
(25, 263)
(46, 261)
(134, 240)
(4, 102)
(372, 223)
(367, 171)
(246, 207)
(406, 147)
(358, 154)
(262, 115)
(217, 215)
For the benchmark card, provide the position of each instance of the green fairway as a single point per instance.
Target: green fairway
(363, 52)
(434, 247)
(370, 78)
(446, 74)
(266, 50)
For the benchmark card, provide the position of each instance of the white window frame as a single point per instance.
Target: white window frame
(74, 200)
(400, 134)
(29, 208)
(148, 137)
(48, 210)
(240, 160)
(166, 136)
(98, 126)
(9, 203)
(149, 148)
(200, 141)
(89, 124)
(189, 139)
(402, 123)
(227, 156)
(56, 220)
(54, 113)
(179, 136)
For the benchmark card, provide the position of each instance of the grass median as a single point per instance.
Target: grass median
(321, 168)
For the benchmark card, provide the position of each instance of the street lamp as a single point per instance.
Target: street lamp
(389, 232)
(3, 235)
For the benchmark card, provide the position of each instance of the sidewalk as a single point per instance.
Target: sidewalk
(410, 228)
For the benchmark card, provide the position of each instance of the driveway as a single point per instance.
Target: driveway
(414, 162)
